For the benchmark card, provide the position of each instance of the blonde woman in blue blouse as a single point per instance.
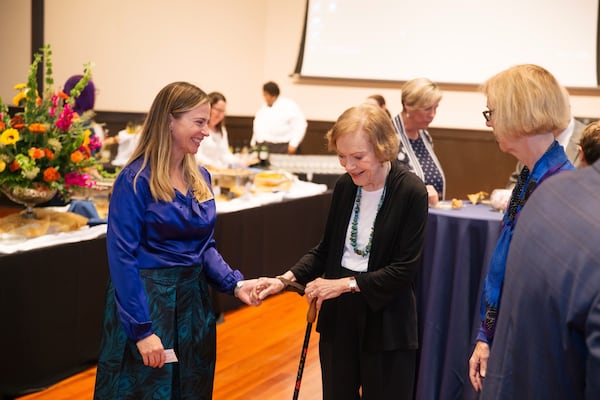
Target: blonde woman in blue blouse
(162, 256)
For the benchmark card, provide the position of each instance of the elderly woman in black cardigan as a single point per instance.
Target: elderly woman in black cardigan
(362, 272)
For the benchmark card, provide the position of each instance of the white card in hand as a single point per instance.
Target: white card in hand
(171, 357)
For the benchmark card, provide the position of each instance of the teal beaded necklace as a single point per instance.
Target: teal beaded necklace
(354, 226)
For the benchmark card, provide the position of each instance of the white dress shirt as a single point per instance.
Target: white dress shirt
(214, 150)
(283, 122)
(127, 143)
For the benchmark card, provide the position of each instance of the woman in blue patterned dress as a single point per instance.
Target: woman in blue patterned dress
(162, 255)
(420, 100)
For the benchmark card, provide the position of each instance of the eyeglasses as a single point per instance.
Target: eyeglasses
(487, 114)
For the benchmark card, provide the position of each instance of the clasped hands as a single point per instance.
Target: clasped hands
(319, 289)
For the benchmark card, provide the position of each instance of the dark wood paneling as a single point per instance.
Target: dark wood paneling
(470, 158)
(114, 121)
(471, 161)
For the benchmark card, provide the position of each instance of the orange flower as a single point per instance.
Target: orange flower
(38, 101)
(2, 126)
(49, 154)
(14, 166)
(76, 156)
(37, 128)
(51, 174)
(63, 95)
(36, 153)
(17, 122)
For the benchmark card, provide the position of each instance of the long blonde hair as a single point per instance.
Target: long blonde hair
(156, 142)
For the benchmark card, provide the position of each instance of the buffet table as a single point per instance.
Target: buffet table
(458, 247)
(52, 297)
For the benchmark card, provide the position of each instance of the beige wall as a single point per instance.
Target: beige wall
(233, 46)
(15, 41)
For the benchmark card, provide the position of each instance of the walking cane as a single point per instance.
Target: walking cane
(310, 318)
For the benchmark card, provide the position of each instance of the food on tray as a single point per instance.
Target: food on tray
(48, 222)
(456, 203)
(271, 181)
(478, 197)
(269, 178)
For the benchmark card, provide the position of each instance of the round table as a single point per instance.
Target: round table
(457, 250)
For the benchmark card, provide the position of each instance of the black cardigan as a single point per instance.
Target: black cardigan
(388, 285)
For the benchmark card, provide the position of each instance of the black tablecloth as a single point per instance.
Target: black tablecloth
(267, 240)
(51, 302)
(458, 246)
(52, 299)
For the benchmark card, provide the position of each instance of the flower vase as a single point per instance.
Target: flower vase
(28, 197)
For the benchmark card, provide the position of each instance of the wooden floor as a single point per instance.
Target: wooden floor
(258, 351)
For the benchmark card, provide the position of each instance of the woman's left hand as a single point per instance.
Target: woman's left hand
(324, 289)
(432, 195)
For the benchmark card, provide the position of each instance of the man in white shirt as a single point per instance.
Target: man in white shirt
(279, 124)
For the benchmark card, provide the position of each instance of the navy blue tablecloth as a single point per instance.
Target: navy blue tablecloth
(458, 247)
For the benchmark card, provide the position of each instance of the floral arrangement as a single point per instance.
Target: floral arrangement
(46, 145)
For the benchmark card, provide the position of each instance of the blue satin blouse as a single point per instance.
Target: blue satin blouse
(144, 233)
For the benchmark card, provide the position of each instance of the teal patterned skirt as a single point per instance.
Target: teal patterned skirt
(182, 318)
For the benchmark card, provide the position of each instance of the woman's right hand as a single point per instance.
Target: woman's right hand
(152, 351)
(266, 287)
(478, 364)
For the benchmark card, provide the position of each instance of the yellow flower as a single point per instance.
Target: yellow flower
(86, 138)
(17, 99)
(9, 136)
(36, 143)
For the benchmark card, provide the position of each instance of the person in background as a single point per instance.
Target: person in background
(568, 138)
(547, 342)
(162, 255)
(378, 100)
(85, 102)
(126, 140)
(420, 100)
(214, 150)
(279, 124)
(362, 273)
(589, 145)
(527, 107)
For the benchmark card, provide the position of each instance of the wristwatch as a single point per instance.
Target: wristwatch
(238, 286)
(352, 285)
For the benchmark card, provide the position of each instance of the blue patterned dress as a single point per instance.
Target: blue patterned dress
(162, 256)
(418, 156)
